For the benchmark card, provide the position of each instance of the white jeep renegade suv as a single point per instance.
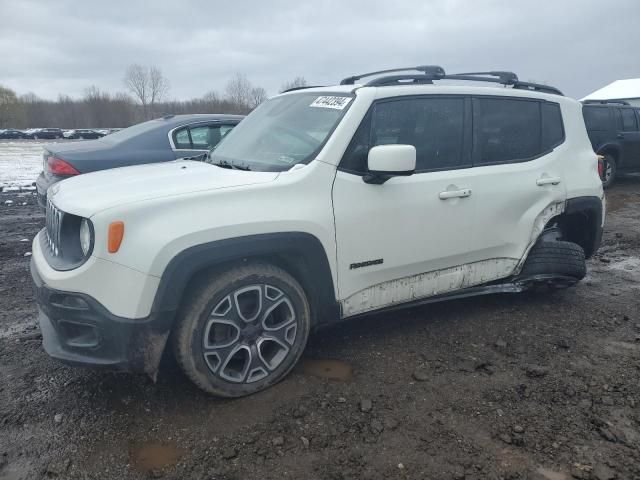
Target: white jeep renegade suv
(323, 204)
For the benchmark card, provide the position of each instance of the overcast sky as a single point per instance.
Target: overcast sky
(50, 47)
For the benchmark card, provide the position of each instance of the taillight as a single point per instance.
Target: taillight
(57, 166)
(601, 166)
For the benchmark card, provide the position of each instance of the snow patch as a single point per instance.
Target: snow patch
(20, 164)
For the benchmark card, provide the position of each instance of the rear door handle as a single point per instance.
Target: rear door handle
(548, 181)
(465, 192)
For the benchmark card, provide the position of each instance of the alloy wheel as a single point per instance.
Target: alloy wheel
(608, 171)
(249, 333)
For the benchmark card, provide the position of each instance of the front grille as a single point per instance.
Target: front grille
(54, 227)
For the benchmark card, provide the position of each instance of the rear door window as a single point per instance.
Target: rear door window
(506, 130)
(200, 137)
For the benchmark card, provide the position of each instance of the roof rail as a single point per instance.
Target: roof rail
(434, 72)
(605, 102)
(429, 70)
(293, 89)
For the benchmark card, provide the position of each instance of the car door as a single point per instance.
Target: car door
(194, 140)
(517, 177)
(409, 237)
(628, 135)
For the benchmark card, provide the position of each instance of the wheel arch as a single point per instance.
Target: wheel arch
(301, 254)
(610, 148)
(581, 223)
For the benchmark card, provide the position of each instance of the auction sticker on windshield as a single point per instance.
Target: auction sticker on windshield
(337, 103)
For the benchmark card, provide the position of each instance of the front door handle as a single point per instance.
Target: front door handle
(620, 135)
(465, 192)
(548, 181)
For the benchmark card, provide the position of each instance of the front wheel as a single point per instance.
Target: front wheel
(242, 330)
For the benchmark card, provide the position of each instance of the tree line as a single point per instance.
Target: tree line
(146, 97)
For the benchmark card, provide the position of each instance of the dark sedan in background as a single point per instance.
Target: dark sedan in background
(44, 133)
(12, 134)
(83, 133)
(160, 140)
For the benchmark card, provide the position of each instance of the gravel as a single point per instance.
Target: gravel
(514, 385)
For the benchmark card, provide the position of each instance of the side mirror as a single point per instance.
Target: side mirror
(387, 161)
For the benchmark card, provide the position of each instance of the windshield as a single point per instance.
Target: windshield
(282, 132)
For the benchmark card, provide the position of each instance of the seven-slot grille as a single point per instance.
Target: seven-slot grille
(53, 227)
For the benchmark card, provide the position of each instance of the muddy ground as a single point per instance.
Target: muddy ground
(529, 386)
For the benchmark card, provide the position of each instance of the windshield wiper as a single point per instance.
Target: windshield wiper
(231, 165)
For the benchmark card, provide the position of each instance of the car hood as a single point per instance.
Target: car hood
(86, 195)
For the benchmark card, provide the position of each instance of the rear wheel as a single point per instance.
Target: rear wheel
(609, 170)
(242, 330)
(556, 261)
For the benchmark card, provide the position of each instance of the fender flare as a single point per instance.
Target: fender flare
(592, 208)
(313, 272)
(609, 146)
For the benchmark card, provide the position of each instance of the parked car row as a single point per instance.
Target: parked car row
(54, 133)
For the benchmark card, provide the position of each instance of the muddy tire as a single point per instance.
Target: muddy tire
(556, 258)
(609, 170)
(242, 330)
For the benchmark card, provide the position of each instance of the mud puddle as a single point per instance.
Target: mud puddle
(551, 475)
(154, 456)
(330, 369)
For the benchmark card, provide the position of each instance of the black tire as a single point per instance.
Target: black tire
(609, 170)
(264, 353)
(555, 258)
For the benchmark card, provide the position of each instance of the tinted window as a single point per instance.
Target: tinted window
(434, 126)
(629, 123)
(596, 118)
(506, 130)
(552, 129)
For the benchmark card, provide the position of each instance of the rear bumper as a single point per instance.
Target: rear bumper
(78, 330)
(41, 189)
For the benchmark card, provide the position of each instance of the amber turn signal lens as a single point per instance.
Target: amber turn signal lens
(116, 233)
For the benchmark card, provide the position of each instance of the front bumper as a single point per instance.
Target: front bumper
(78, 330)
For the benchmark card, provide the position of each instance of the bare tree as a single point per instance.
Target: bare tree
(158, 85)
(257, 96)
(295, 83)
(238, 91)
(147, 85)
(137, 82)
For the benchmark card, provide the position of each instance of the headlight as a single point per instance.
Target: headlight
(85, 236)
